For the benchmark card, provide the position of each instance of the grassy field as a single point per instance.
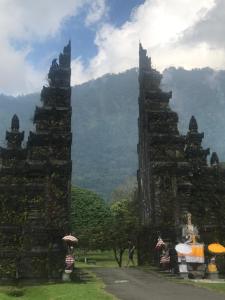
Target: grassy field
(100, 259)
(89, 289)
(218, 287)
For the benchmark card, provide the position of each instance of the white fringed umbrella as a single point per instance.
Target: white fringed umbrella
(70, 238)
(183, 248)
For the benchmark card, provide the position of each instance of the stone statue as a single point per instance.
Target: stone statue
(190, 232)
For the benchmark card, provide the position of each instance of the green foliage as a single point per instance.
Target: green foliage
(90, 219)
(124, 227)
(125, 218)
(99, 227)
(124, 223)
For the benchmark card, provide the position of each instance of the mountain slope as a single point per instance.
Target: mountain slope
(104, 122)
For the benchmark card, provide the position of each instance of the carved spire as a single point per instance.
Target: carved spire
(193, 149)
(14, 137)
(144, 60)
(65, 56)
(193, 125)
(214, 161)
(59, 73)
(15, 123)
(149, 78)
(67, 48)
(54, 65)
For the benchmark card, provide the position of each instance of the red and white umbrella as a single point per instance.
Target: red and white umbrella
(70, 238)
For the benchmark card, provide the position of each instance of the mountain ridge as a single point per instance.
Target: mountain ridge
(104, 122)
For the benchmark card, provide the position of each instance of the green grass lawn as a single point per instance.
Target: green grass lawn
(101, 258)
(218, 287)
(90, 289)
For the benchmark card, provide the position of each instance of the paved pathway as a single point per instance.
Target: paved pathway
(134, 284)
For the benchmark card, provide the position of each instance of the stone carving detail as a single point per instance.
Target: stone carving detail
(35, 185)
(174, 176)
(214, 161)
(193, 126)
(15, 124)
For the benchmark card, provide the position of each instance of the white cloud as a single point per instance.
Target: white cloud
(79, 73)
(27, 21)
(96, 11)
(210, 29)
(16, 74)
(159, 24)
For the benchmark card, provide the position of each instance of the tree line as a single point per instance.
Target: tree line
(102, 225)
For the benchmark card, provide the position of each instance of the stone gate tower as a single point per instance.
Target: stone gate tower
(35, 183)
(174, 176)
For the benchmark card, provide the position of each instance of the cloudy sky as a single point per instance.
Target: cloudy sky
(105, 36)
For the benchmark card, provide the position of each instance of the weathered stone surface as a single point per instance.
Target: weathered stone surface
(35, 185)
(174, 176)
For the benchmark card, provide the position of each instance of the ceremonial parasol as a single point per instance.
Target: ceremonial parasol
(183, 248)
(70, 238)
(216, 248)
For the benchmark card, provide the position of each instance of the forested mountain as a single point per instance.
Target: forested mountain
(105, 113)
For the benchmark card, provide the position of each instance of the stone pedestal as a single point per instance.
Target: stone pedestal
(66, 276)
(183, 270)
(213, 275)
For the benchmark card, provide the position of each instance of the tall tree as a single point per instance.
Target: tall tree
(125, 221)
(90, 219)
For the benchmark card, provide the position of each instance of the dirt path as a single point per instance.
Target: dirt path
(134, 284)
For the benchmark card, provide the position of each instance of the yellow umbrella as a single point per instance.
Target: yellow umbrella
(216, 248)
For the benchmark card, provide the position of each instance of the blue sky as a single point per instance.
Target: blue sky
(82, 37)
(105, 36)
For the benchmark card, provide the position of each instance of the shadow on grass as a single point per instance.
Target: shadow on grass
(81, 276)
(78, 276)
(82, 281)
